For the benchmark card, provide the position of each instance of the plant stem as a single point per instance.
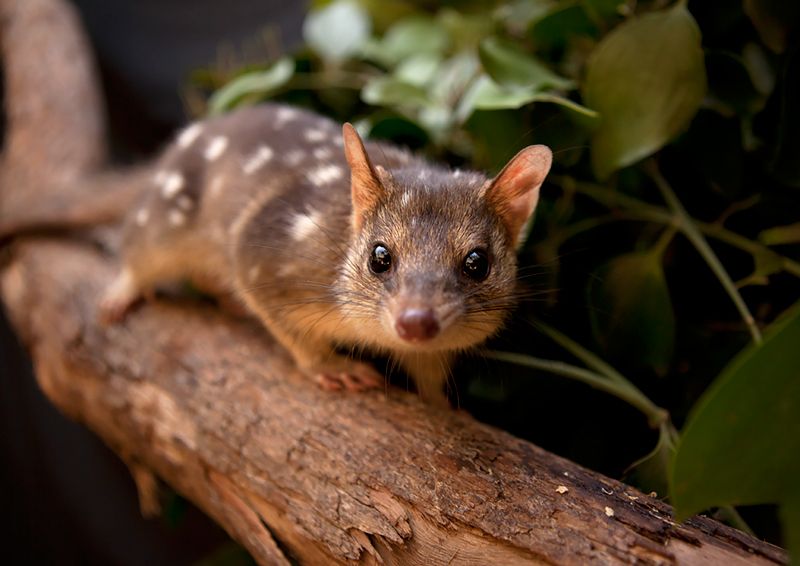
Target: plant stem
(636, 209)
(732, 238)
(697, 239)
(584, 355)
(655, 414)
(664, 241)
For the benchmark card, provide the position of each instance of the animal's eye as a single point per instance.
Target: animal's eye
(476, 265)
(380, 261)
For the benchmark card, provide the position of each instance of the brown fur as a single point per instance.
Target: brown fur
(289, 243)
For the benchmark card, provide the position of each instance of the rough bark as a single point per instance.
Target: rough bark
(216, 409)
(54, 146)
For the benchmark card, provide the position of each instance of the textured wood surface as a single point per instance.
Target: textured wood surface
(217, 410)
(55, 127)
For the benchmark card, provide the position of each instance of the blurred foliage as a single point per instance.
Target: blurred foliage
(668, 234)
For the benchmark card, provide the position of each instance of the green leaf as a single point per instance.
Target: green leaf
(411, 36)
(781, 235)
(631, 311)
(741, 444)
(392, 92)
(391, 126)
(251, 87)
(489, 132)
(454, 77)
(651, 473)
(584, 117)
(646, 79)
(564, 23)
(338, 30)
(766, 263)
(418, 70)
(510, 67)
(485, 94)
(465, 29)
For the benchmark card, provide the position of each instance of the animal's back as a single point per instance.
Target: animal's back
(273, 172)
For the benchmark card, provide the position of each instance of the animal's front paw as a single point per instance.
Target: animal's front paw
(348, 375)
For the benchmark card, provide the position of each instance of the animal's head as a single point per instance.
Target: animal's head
(432, 258)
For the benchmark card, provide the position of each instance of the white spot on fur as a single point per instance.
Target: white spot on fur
(187, 136)
(142, 216)
(422, 175)
(173, 183)
(215, 148)
(405, 200)
(457, 173)
(294, 157)
(284, 115)
(160, 177)
(184, 202)
(337, 141)
(315, 135)
(322, 153)
(176, 217)
(325, 174)
(260, 157)
(216, 186)
(305, 224)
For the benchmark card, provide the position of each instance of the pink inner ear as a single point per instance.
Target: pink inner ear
(515, 190)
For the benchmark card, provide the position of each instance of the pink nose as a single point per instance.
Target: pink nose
(417, 325)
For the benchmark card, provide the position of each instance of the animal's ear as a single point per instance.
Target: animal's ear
(514, 192)
(365, 184)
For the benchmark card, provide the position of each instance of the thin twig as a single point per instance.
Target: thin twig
(639, 210)
(690, 230)
(589, 358)
(624, 391)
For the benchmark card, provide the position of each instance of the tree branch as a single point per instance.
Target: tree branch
(216, 410)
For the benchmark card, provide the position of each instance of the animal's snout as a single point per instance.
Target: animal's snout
(417, 325)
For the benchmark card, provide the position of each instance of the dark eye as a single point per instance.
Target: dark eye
(476, 265)
(381, 260)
